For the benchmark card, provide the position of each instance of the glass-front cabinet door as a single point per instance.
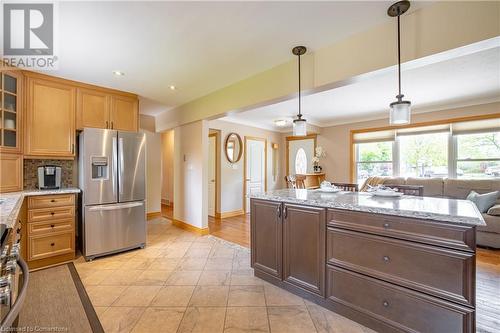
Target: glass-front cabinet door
(10, 111)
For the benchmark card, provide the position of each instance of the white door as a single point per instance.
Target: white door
(300, 154)
(255, 168)
(211, 175)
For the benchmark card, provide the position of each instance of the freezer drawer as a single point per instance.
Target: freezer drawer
(115, 227)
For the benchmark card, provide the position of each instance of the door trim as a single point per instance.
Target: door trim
(217, 155)
(253, 138)
(295, 138)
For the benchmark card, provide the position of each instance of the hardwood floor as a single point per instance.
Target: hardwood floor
(237, 230)
(233, 229)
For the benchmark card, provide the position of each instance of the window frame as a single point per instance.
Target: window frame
(356, 162)
(453, 159)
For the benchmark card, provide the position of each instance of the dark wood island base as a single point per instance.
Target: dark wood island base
(386, 272)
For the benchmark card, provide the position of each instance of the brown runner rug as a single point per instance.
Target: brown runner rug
(57, 302)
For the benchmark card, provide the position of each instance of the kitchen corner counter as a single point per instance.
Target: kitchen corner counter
(428, 208)
(12, 202)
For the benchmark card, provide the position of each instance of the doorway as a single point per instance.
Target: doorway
(212, 174)
(255, 171)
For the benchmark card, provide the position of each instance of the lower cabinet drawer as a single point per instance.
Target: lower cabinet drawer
(56, 213)
(48, 227)
(56, 200)
(46, 246)
(404, 309)
(441, 272)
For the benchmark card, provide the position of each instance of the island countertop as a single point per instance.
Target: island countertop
(12, 202)
(429, 208)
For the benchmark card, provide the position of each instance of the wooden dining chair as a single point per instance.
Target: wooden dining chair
(295, 181)
(347, 187)
(416, 190)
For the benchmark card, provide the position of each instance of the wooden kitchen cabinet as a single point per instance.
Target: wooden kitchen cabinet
(304, 235)
(11, 98)
(11, 172)
(50, 119)
(124, 113)
(267, 235)
(102, 109)
(92, 109)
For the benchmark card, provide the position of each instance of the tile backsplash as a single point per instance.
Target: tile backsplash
(31, 172)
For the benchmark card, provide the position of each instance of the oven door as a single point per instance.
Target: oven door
(13, 294)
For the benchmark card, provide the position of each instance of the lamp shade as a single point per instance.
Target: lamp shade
(299, 127)
(400, 113)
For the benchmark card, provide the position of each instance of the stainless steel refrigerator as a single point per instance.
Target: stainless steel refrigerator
(112, 177)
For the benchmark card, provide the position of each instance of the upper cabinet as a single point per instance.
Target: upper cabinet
(10, 111)
(50, 118)
(124, 113)
(92, 109)
(101, 109)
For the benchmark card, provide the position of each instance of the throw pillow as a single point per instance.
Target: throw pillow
(495, 210)
(483, 201)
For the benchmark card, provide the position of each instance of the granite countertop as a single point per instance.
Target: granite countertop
(438, 209)
(9, 208)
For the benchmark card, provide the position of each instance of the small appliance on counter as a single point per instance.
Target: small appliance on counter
(49, 177)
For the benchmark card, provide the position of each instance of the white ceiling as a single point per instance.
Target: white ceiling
(463, 80)
(197, 46)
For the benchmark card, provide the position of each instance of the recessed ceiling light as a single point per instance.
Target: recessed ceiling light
(172, 87)
(118, 73)
(281, 122)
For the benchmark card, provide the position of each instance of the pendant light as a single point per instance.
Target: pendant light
(299, 124)
(400, 110)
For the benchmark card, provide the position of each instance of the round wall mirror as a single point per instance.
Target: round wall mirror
(233, 147)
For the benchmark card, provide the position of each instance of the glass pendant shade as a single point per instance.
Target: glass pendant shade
(299, 127)
(400, 113)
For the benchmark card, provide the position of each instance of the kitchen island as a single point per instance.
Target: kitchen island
(391, 264)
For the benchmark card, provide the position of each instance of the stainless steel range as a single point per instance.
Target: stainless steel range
(112, 177)
(14, 277)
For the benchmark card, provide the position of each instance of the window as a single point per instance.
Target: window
(423, 155)
(478, 155)
(466, 149)
(301, 161)
(373, 159)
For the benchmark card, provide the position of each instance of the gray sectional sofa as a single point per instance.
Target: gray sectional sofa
(488, 235)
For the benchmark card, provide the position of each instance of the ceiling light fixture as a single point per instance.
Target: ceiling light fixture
(400, 110)
(299, 124)
(172, 87)
(280, 122)
(118, 73)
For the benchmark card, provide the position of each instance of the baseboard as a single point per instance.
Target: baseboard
(189, 227)
(224, 215)
(152, 215)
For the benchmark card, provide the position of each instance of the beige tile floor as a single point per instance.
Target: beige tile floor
(182, 282)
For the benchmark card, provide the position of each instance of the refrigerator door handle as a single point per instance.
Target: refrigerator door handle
(120, 165)
(116, 206)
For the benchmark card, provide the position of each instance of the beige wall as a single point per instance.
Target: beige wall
(231, 176)
(435, 28)
(190, 174)
(153, 171)
(336, 139)
(167, 156)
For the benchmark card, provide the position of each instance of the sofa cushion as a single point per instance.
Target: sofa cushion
(495, 210)
(492, 224)
(483, 202)
(460, 188)
(395, 180)
(433, 187)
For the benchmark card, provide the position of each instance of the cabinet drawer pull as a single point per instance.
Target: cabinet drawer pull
(53, 200)
(106, 124)
(279, 212)
(52, 213)
(387, 259)
(52, 225)
(385, 304)
(387, 225)
(52, 244)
